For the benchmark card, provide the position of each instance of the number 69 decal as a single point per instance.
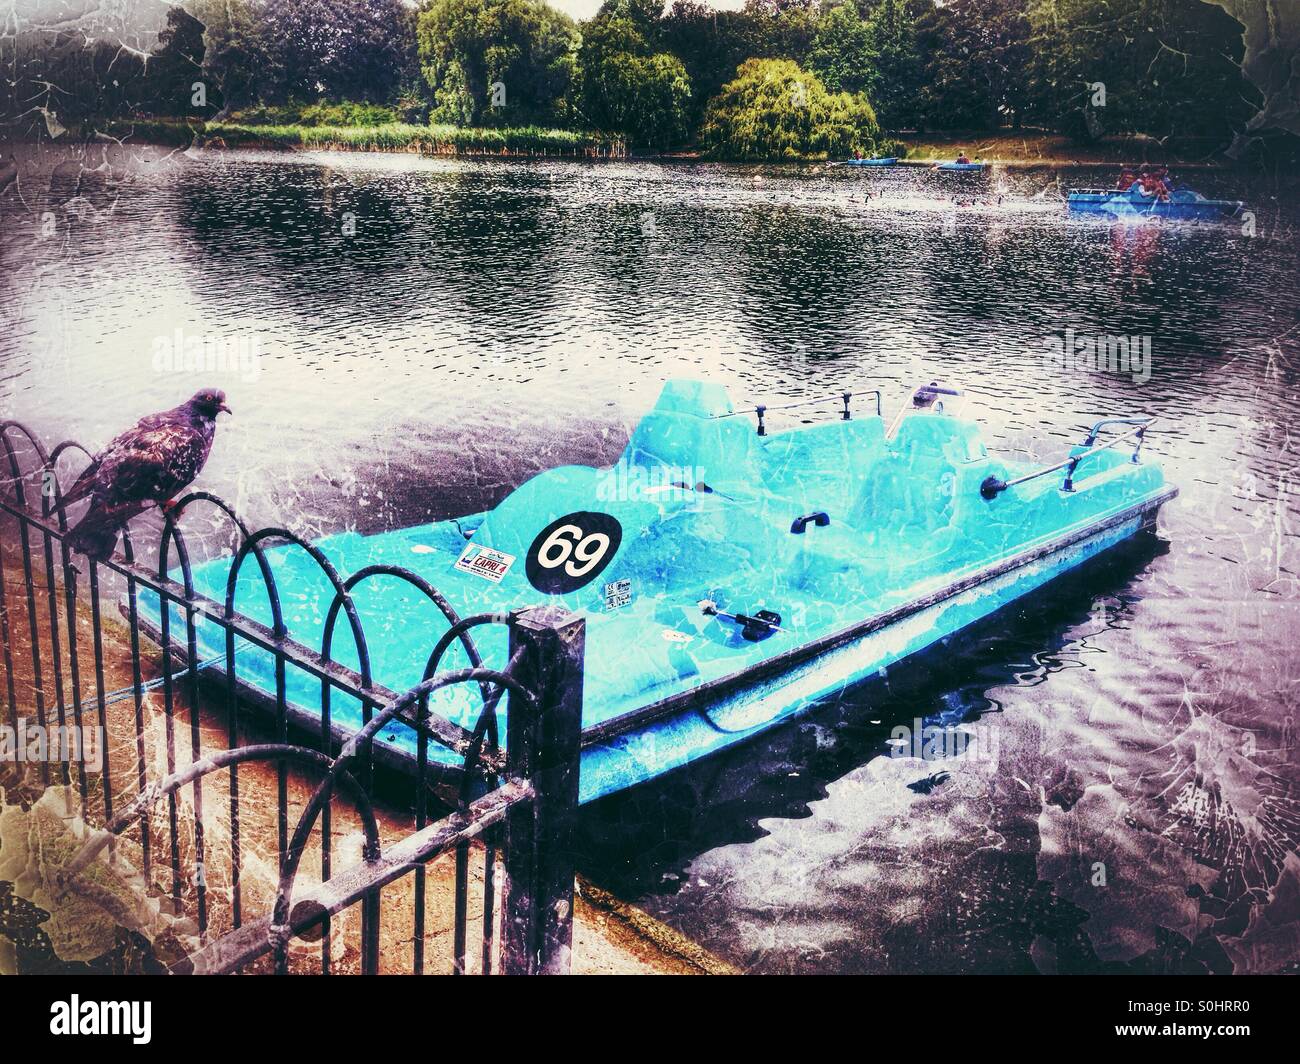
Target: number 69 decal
(572, 551)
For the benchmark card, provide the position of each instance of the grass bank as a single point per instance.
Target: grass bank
(390, 136)
(1032, 147)
(1029, 147)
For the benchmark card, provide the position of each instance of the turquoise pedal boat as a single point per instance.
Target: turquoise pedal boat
(884, 160)
(730, 577)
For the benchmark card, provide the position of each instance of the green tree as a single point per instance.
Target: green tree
(656, 92)
(175, 66)
(59, 82)
(235, 57)
(525, 48)
(841, 53)
(642, 14)
(1153, 66)
(896, 58)
(626, 86)
(782, 29)
(336, 49)
(773, 109)
(977, 60)
(710, 44)
(608, 41)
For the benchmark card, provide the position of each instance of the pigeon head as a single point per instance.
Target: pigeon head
(209, 403)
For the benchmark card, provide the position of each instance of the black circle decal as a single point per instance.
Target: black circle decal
(572, 551)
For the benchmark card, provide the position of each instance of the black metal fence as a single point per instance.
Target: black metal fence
(514, 806)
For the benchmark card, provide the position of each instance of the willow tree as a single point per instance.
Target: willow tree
(498, 61)
(773, 109)
(628, 86)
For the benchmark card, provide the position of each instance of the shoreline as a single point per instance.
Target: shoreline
(1003, 148)
(1034, 148)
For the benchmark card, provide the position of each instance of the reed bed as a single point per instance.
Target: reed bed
(388, 136)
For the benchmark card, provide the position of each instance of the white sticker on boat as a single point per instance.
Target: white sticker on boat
(674, 636)
(618, 593)
(485, 562)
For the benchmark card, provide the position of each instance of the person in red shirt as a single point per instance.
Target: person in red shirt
(1153, 183)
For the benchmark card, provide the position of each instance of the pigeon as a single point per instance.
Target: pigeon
(147, 465)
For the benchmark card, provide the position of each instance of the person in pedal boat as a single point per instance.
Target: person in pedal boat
(1153, 183)
(963, 158)
(1126, 179)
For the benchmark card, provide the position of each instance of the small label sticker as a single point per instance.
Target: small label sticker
(485, 562)
(671, 635)
(618, 593)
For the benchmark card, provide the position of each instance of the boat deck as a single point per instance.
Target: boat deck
(902, 517)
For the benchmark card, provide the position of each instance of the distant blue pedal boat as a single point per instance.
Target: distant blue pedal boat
(1183, 204)
(960, 166)
(730, 578)
(887, 160)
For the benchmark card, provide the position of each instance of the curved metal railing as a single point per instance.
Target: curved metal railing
(482, 783)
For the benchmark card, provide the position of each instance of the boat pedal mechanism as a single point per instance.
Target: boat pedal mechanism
(756, 628)
(760, 626)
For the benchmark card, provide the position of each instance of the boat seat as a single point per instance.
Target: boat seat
(823, 466)
(720, 540)
(907, 504)
(686, 431)
(928, 436)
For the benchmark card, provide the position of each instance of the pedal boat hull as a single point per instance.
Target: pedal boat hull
(653, 705)
(1182, 205)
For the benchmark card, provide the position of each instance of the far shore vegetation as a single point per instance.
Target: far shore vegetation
(432, 139)
(1036, 80)
(1026, 147)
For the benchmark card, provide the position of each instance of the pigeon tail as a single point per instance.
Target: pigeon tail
(96, 535)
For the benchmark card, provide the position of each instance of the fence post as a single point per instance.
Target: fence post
(543, 746)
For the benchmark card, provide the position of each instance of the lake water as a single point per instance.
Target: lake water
(407, 339)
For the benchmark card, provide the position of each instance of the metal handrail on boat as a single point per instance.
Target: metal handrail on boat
(994, 486)
(762, 409)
